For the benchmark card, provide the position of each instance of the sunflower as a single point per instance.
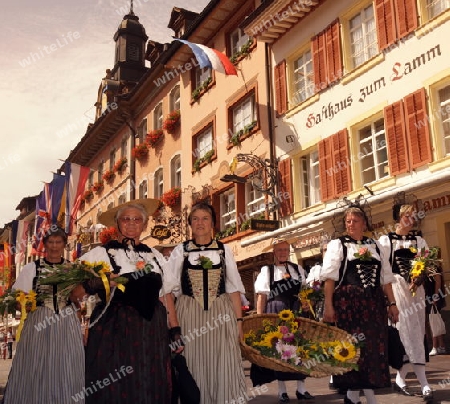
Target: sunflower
(419, 266)
(413, 250)
(271, 338)
(286, 315)
(293, 326)
(344, 352)
(302, 352)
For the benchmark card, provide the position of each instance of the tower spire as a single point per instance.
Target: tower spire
(131, 7)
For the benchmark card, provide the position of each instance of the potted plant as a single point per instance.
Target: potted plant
(172, 121)
(88, 195)
(201, 89)
(206, 158)
(97, 187)
(172, 197)
(120, 165)
(242, 52)
(154, 137)
(140, 152)
(108, 176)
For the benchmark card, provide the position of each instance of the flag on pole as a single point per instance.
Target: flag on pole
(76, 177)
(57, 190)
(212, 58)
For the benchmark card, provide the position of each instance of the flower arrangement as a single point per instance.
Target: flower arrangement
(109, 175)
(154, 137)
(140, 152)
(205, 262)
(108, 234)
(172, 197)
(311, 295)
(120, 165)
(98, 187)
(425, 263)
(284, 340)
(363, 254)
(68, 275)
(172, 120)
(88, 195)
(141, 265)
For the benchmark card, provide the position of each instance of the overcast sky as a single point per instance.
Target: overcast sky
(53, 56)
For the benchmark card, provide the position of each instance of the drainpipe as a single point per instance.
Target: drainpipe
(270, 119)
(132, 162)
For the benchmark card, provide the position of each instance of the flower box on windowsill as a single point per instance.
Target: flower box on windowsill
(202, 161)
(108, 234)
(227, 232)
(98, 187)
(108, 176)
(154, 137)
(172, 197)
(201, 89)
(242, 53)
(120, 165)
(88, 195)
(172, 121)
(237, 138)
(140, 152)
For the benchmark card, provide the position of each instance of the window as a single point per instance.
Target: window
(110, 206)
(363, 36)
(204, 142)
(436, 7)
(303, 78)
(238, 38)
(175, 172)
(100, 171)
(158, 117)
(244, 114)
(112, 159)
(142, 130)
(175, 99)
(122, 199)
(158, 183)
(373, 152)
(201, 75)
(255, 200)
(91, 178)
(310, 179)
(143, 190)
(444, 108)
(123, 148)
(227, 209)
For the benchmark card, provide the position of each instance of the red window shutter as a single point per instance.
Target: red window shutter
(286, 199)
(341, 162)
(281, 88)
(394, 123)
(319, 61)
(385, 21)
(406, 17)
(417, 128)
(333, 52)
(326, 169)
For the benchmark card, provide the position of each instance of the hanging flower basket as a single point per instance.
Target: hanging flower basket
(108, 176)
(120, 165)
(154, 137)
(98, 187)
(172, 197)
(108, 234)
(140, 152)
(172, 121)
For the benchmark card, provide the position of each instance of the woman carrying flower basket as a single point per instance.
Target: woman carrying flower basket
(401, 248)
(358, 278)
(48, 366)
(278, 287)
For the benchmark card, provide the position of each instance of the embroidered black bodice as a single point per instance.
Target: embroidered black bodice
(402, 256)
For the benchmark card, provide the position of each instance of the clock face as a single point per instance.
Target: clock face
(133, 52)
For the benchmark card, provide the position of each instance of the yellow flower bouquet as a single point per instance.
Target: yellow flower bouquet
(288, 343)
(425, 263)
(68, 275)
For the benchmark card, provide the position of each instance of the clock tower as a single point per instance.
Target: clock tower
(130, 38)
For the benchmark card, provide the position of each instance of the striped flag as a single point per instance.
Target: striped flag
(212, 58)
(76, 177)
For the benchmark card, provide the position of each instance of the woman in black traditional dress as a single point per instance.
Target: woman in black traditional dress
(357, 279)
(127, 352)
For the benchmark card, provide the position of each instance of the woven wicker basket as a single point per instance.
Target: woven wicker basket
(313, 330)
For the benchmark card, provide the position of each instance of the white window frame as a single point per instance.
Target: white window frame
(373, 147)
(201, 75)
(158, 117)
(112, 159)
(143, 189)
(204, 142)
(122, 199)
(368, 36)
(302, 77)
(310, 179)
(101, 169)
(244, 113)
(175, 99)
(142, 130)
(227, 211)
(254, 200)
(124, 148)
(158, 183)
(238, 38)
(175, 171)
(444, 117)
(436, 7)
